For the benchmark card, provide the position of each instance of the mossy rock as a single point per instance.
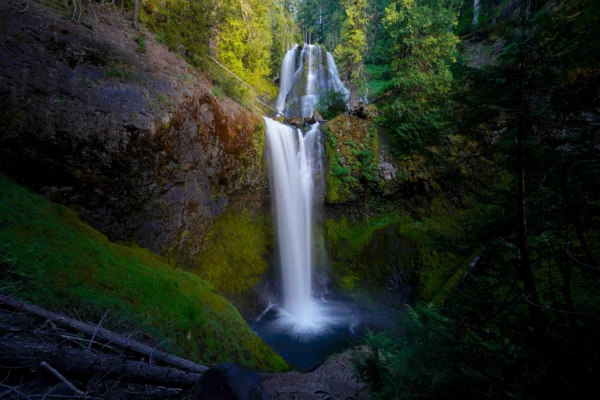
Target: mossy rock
(352, 148)
(236, 253)
(366, 253)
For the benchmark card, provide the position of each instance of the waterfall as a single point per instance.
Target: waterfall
(315, 74)
(309, 100)
(295, 162)
(286, 77)
(476, 6)
(334, 77)
(296, 176)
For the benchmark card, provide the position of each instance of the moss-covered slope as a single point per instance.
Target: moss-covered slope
(237, 250)
(49, 257)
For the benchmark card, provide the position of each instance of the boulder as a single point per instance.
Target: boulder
(298, 122)
(317, 117)
(228, 382)
(364, 111)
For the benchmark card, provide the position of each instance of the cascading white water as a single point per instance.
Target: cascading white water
(309, 100)
(314, 75)
(476, 9)
(286, 77)
(295, 164)
(334, 76)
(331, 64)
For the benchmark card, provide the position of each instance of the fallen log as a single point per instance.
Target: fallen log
(71, 362)
(102, 333)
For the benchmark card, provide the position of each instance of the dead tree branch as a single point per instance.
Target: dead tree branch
(105, 334)
(61, 378)
(96, 331)
(15, 391)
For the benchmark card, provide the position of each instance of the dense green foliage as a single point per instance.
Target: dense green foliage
(48, 256)
(320, 21)
(353, 45)
(378, 79)
(331, 104)
(422, 49)
(520, 320)
(248, 36)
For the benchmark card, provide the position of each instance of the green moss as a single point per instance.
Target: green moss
(259, 139)
(357, 261)
(427, 248)
(218, 92)
(53, 259)
(352, 148)
(141, 42)
(125, 72)
(235, 257)
(162, 99)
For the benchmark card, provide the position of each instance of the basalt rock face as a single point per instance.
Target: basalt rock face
(135, 141)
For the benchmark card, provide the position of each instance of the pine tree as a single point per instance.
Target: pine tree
(350, 52)
(423, 49)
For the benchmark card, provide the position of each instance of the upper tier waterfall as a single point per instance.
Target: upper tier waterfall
(306, 74)
(288, 66)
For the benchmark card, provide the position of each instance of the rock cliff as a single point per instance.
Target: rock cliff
(130, 136)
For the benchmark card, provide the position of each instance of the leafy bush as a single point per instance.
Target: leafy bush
(218, 92)
(141, 44)
(331, 104)
(435, 357)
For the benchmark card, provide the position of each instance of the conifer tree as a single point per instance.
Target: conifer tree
(423, 48)
(350, 52)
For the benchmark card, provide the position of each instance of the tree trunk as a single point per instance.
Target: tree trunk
(572, 213)
(566, 288)
(530, 291)
(136, 14)
(215, 28)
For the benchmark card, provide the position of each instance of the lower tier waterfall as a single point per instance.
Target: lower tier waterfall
(295, 165)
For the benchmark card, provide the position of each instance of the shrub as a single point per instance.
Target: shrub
(141, 44)
(331, 104)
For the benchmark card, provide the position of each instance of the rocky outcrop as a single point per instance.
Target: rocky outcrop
(361, 164)
(376, 202)
(334, 379)
(135, 141)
